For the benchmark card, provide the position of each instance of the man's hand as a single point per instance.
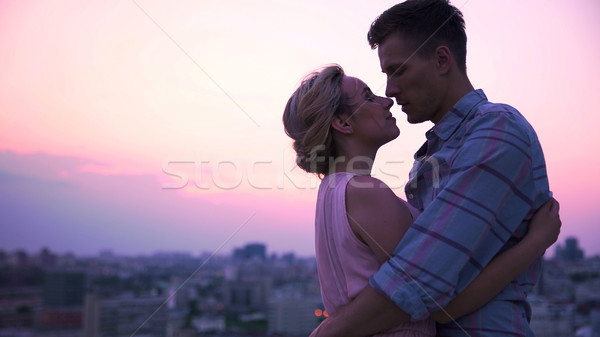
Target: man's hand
(367, 314)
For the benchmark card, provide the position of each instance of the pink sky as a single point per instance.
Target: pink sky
(99, 101)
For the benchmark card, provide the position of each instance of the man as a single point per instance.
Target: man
(478, 179)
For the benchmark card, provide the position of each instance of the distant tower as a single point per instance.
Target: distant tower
(21, 259)
(47, 258)
(258, 250)
(251, 251)
(571, 252)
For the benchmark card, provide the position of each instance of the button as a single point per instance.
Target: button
(411, 196)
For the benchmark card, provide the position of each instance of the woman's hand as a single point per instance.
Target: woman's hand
(545, 225)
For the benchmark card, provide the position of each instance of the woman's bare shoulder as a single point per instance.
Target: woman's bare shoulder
(376, 215)
(366, 194)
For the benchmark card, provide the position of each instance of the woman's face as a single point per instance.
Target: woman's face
(370, 116)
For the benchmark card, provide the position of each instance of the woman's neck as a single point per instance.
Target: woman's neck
(357, 163)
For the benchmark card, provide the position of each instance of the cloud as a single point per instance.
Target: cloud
(75, 204)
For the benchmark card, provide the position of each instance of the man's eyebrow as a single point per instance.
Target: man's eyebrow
(392, 68)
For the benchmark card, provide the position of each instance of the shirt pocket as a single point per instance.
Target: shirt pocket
(434, 174)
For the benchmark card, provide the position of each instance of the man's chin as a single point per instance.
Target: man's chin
(413, 120)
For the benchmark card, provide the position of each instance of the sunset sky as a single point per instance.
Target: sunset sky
(143, 126)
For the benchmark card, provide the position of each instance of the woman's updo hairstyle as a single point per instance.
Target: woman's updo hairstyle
(308, 115)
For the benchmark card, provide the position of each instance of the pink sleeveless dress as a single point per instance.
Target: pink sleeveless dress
(344, 263)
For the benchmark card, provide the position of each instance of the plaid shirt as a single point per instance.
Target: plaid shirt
(477, 180)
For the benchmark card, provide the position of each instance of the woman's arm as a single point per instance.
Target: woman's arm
(543, 232)
(379, 219)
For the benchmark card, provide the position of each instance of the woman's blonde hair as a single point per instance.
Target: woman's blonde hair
(308, 115)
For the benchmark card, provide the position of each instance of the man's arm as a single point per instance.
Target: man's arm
(368, 313)
(543, 232)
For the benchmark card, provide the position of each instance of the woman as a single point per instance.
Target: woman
(338, 125)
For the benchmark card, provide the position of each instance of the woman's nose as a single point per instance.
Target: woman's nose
(388, 103)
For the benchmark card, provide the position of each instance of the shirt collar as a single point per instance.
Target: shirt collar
(453, 118)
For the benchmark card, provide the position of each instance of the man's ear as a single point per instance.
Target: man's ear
(342, 125)
(443, 59)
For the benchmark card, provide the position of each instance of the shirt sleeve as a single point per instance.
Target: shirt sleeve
(489, 192)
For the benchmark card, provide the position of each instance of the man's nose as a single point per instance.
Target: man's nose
(391, 90)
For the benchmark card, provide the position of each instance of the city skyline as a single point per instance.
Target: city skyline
(565, 246)
(143, 127)
(244, 293)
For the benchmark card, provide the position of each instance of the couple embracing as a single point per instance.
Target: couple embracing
(459, 257)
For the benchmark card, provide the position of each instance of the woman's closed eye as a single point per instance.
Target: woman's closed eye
(369, 96)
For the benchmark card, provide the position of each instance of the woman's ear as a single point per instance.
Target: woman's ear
(341, 124)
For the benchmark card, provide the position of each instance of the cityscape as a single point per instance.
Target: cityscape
(249, 292)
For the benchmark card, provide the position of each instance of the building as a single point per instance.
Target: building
(551, 320)
(207, 323)
(47, 258)
(571, 251)
(293, 315)
(18, 306)
(63, 295)
(64, 288)
(246, 296)
(251, 251)
(125, 316)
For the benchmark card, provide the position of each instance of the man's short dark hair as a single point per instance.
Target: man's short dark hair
(428, 23)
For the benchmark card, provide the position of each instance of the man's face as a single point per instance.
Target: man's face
(412, 80)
